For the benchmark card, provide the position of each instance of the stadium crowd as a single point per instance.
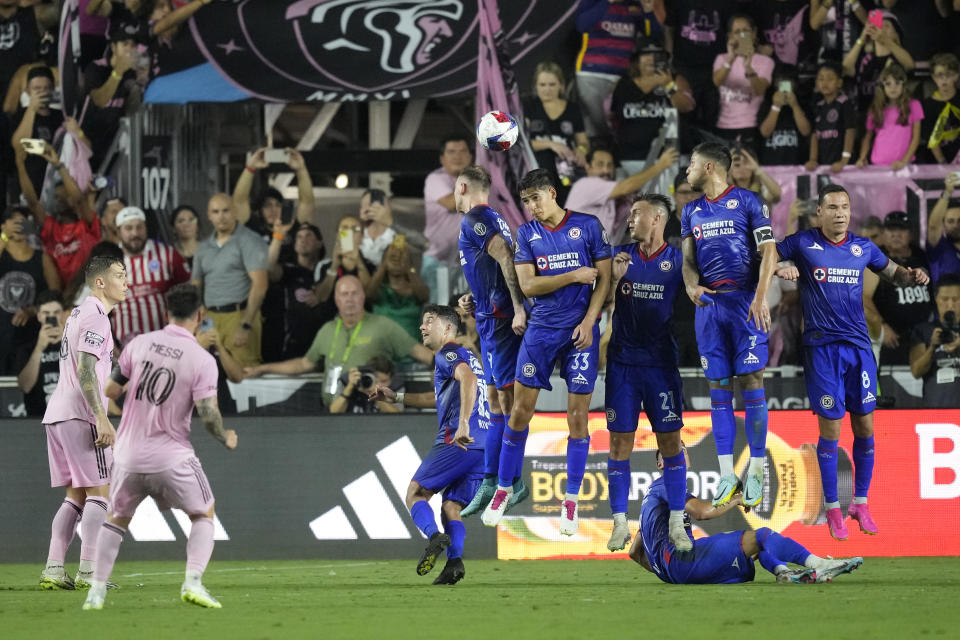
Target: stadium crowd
(820, 83)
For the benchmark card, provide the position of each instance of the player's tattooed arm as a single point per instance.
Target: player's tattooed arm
(209, 412)
(89, 384)
(500, 251)
(902, 276)
(691, 273)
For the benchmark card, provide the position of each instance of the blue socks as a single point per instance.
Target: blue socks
(827, 459)
(618, 478)
(862, 465)
(577, 450)
(781, 547)
(511, 455)
(422, 516)
(769, 562)
(755, 421)
(722, 419)
(491, 446)
(458, 534)
(675, 479)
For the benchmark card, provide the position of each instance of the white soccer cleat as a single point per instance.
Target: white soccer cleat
(620, 537)
(95, 598)
(82, 581)
(497, 507)
(569, 517)
(679, 537)
(56, 578)
(838, 567)
(198, 594)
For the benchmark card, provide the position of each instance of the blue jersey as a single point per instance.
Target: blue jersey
(477, 228)
(727, 232)
(644, 304)
(831, 284)
(447, 389)
(578, 241)
(655, 525)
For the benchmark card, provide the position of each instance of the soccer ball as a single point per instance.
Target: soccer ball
(497, 131)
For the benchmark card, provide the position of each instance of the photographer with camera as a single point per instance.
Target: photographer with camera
(935, 354)
(360, 381)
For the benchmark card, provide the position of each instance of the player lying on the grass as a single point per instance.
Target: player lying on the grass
(168, 374)
(486, 256)
(841, 373)
(79, 434)
(724, 557)
(642, 362)
(455, 462)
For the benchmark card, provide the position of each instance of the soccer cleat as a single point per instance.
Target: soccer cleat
(520, 493)
(861, 513)
(726, 488)
(679, 537)
(797, 576)
(620, 537)
(198, 594)
(56, 578)
(83, 579)
(753, 489)
(838, 567)
(569, 519)
(481, 498)
(95, 598)
(452, 573)
(497, 507)
(435, 546)
(835, 520)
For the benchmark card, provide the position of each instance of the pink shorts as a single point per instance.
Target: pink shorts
(74, 459)
(183, 486)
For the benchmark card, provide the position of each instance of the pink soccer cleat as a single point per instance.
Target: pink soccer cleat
(861, 513)
(837, 528)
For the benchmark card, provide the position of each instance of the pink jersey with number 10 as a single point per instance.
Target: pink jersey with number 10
(168, 371)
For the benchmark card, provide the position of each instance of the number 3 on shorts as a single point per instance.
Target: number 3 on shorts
(581, 362)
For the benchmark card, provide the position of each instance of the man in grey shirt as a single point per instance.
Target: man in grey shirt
(231, 267)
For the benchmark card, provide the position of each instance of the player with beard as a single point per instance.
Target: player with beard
(152, 268)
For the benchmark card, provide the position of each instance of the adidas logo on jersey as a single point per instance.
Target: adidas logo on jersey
(751, 359)
(535, 236)
(580, 379)
(816, 245)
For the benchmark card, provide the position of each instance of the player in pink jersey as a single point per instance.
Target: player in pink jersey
(167, 373)
(78, 432)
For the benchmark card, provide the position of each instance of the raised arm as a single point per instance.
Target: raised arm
(209, 413)
(935, 219)
(306, 204)
(179, 16)
(241, 191)
(635, 182)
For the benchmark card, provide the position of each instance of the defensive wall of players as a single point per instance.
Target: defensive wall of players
(333, 487)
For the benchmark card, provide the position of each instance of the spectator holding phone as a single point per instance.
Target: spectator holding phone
(742, 76)
(837, 23)
(877, 48)
(835, 122)
(346, 261)
(380, 228)
(186, 226)
(40, 120)
(360, 381)
(38, 363)
(396, 290)
(943, 107)
(785, 126)
(935, 348)
(746, 173)
(943, 232)
(893, 122)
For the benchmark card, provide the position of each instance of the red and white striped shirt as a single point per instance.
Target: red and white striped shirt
(149, 274)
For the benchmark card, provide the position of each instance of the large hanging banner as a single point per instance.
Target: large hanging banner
(357, 50)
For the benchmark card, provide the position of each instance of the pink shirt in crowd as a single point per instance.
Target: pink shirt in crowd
(169, 371)
(893, 139)
(592, 195)
(738, 104)
(443, 225)
(87, 331)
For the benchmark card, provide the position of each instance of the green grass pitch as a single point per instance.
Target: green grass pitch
(886, 598)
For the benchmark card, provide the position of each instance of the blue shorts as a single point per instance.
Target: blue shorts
(716, 559)
(840, 377)
(499, 346)
(542, 347)
(449, 467)
(656, 390)
(729, 345)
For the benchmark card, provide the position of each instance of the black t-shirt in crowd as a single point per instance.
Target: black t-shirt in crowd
(19, 44)
(562, 129)
(903, 308)
(638, 117)
(101, 123)
(785, 26)
(699, 31)
(932, 108)
(941, 385)
(831, 121)
(35, 400)
(44, 128)
(923, 31)
(302, 320)
(840, 30)
(868, 68)
(785, 145)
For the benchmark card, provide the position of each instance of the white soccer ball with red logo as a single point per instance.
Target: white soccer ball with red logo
(497, 131)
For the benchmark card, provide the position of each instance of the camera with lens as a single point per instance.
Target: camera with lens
(948, 324)
(367, 379)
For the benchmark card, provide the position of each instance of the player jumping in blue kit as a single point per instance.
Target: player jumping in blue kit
(455, 463)
(722, 233)
(642, 363)
(839, 367)
(563, 263)
(723, 558)
(486, 257)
